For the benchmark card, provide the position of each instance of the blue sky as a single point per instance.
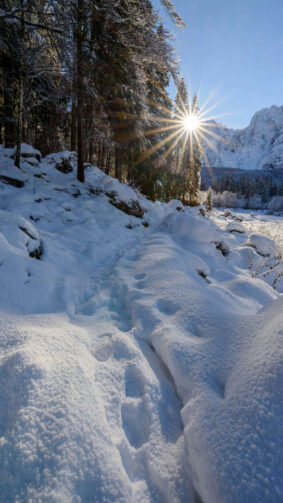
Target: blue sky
(236, 47)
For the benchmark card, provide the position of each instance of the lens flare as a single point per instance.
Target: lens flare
(191, 122)
(190, 125)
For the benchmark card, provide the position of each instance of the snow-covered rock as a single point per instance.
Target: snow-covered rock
(235, 227)
(28, 153)
(258, 146)
(264, 246)
(227, 213)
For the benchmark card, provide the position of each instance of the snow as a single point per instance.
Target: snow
(137, 364)
(235, 227)
(28, 150)
(258, 146)
(264, 246)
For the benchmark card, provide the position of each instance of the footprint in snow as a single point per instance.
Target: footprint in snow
(104, 351)
(134, 382)
(139, 276)
(141, 284)
(89, 309)
(135, 423)
(166, 307)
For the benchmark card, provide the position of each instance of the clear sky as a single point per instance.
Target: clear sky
(236, 47)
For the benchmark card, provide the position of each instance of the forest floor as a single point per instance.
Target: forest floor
(141, 358)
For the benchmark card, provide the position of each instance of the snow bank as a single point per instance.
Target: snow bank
(224, 355)
(138, 364)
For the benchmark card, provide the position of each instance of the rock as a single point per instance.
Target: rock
(235, 227)
(203, 275)
(39, 175)
(33, 243)
(202, 212)
(145, 223)
(95, 192)
(222, 247)
(64, 165)
(264, 246)
(64, 161)
(227, 213)
(179, 208)
(76, 194)
(11, 181)
(32, 160)
(29, 154)
(129, 207)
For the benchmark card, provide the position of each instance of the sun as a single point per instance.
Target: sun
(191, 122)
(190, 125)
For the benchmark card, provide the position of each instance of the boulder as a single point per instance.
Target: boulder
(33, 243)
(264, 246)
(29, 154)
(11, 181)
(235, 227)
(132, 207)
(64, 165)
(222, 247)
(227, 213)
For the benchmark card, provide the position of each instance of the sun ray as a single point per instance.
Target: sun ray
(208, 99)
(173, 145)
(216, 136)
(183, 149)
(207, 163)
(144, 155)
(215, 105)
(209, 143)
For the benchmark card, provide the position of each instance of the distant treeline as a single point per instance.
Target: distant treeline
(245, 184)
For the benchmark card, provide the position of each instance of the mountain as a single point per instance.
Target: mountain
(258, 146)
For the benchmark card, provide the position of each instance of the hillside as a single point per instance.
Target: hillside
(258, 146)
(141, 344)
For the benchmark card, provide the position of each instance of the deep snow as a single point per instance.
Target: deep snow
(138, 364)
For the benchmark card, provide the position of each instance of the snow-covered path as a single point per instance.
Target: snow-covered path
(138, 364)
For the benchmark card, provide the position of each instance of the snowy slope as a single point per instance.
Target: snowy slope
(137, 364)
(258, 146)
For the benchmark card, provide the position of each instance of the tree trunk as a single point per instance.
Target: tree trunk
(80, 171)
(118, 167)
(74, 97)
(9, 120)
(21, 96)
(108, 160)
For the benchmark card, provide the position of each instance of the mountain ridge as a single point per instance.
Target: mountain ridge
(255, 147)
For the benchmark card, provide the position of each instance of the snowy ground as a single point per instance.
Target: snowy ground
(138, 364)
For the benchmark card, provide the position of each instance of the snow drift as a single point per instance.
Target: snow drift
(138, 364)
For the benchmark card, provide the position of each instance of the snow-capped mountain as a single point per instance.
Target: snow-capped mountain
(258, 146)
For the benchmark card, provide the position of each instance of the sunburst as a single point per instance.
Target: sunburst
(190, 124)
